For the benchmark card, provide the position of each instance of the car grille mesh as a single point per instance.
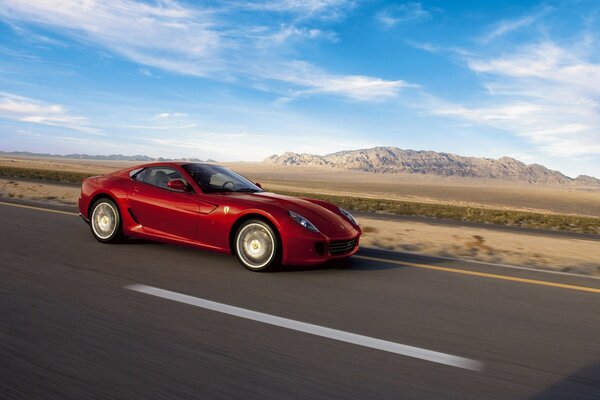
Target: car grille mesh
(341, 246)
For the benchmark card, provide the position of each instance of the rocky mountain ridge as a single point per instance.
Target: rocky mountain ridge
(395, 160)
(111, 157)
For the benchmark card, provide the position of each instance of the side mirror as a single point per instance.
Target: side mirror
(258, 184)
(178, 185)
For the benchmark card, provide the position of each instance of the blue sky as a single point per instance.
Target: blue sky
(240, 80)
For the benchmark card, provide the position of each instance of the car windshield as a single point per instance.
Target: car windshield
(214, 178)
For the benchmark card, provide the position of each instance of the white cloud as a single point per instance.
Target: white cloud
(170, 121)
(545, 93)
(287, 32)
(34, 37)
(358, 87)
(166, 115)
(506, 27)
(200, 42)
(145, 33)
(431, 48)
(24, 109)
(510, 25)
(546, 62)
(306, 8)
(403, 13)
(313, 80)
(145, 72)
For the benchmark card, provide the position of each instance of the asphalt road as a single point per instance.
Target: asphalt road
(71, 329)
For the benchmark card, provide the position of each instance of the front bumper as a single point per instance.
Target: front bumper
(311, 250)
(87, 221)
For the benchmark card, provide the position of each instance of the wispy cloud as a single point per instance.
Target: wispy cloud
(402, 13)
(199, 42)
(167, 115)
(175, 122)
(435, 49)
(545, 93)
(547, 62)
(311, 79)
(305, 8)
(505, 27)
(35, 37)
(145, 72)
(287, 32)
(23, 109)
(150, 34)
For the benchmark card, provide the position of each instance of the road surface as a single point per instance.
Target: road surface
(84, 320)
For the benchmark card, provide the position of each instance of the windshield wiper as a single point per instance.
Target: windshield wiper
(247, 190)
(219, 190)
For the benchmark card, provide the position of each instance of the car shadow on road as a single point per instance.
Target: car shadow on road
(339, 265)
(584, 384)
(134, 241)
(355, 263)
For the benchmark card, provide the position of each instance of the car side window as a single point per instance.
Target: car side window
(138, 174)
(160, 176)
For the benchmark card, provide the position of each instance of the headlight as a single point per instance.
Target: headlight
(349, 216)
(303, 221)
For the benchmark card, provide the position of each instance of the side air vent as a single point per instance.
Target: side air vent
(133, 216)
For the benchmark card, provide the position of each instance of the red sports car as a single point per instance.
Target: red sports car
(212, 207)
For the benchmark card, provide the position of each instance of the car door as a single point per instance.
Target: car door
(160, 210)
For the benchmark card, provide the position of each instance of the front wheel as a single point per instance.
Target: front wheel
(105, 221)
(257, 245)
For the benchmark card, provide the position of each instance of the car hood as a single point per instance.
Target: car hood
(327, 222)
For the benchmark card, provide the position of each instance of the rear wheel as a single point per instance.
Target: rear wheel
(105, 221)
(257, 245)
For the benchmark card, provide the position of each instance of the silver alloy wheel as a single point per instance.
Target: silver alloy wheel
(255, 245)
(105, 220)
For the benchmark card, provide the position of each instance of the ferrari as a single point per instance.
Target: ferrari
(212, 207)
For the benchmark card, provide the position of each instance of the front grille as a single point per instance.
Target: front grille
(341, 246)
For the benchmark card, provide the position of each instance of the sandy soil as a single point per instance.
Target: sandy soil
(420, 188)
(40, 191)
(550, 253)
(561, 254)
(91, 166)
(427, 189)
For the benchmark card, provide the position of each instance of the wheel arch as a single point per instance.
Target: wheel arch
(255, 215)
(102, 195)
(119, 234)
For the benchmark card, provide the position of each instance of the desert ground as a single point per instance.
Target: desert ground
(520, 249)
(531, 250)
(428, 189)
(419, 188)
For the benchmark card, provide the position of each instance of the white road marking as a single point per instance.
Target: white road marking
(366, 341)
(37, 208)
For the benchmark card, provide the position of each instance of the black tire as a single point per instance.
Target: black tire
(257, 246)
(105, 221)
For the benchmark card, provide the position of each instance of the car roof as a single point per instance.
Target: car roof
(172, 163)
